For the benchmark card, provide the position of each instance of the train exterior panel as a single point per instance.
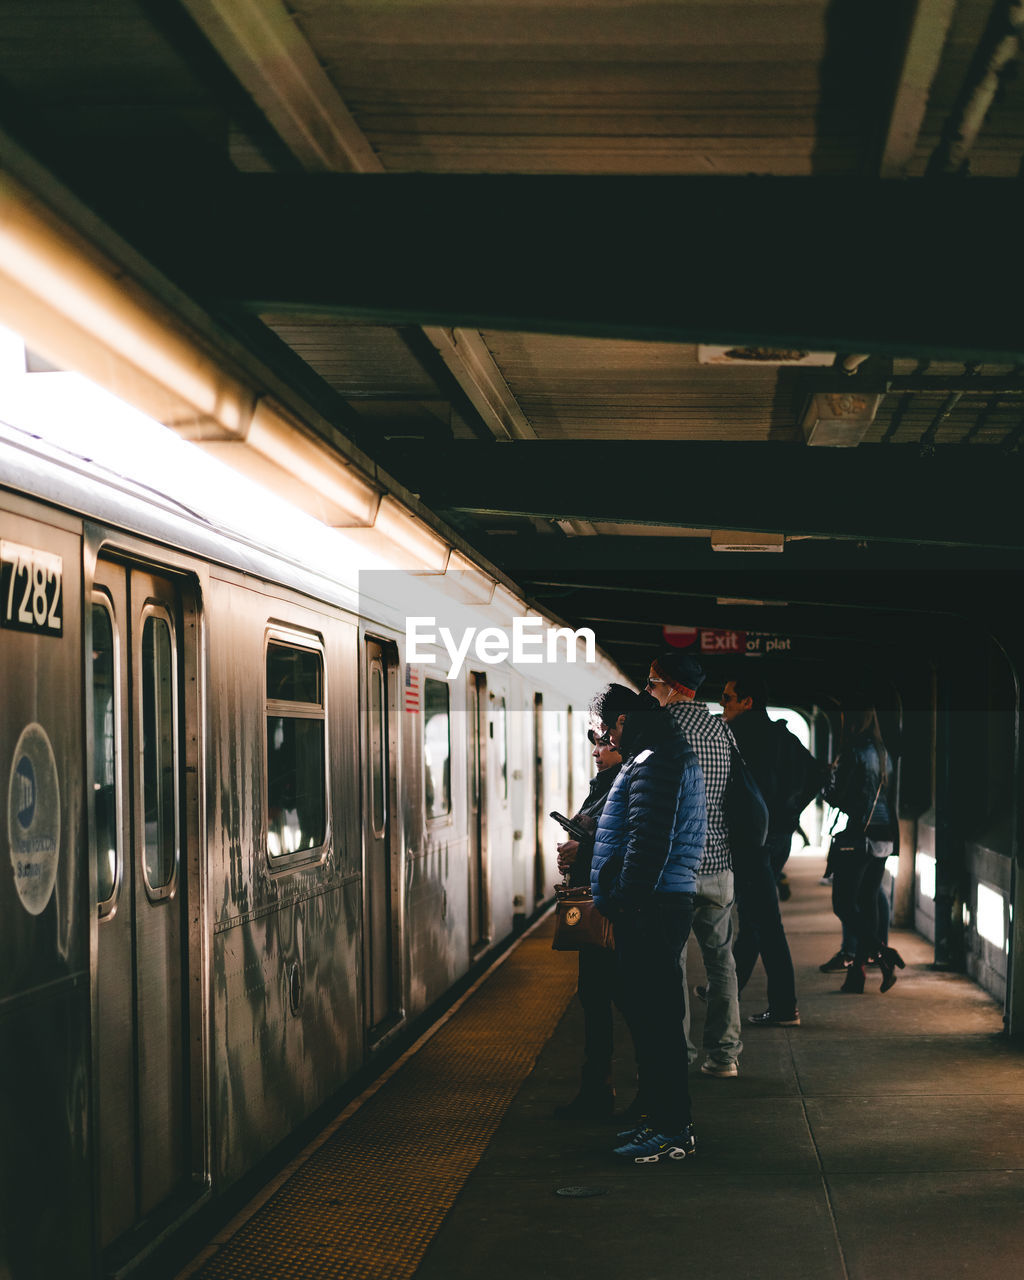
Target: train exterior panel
(44, 937)
(285, 926)
(249, 844)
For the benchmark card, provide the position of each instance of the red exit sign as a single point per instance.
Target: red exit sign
(723, 641)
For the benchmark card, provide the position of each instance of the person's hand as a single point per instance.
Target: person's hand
(567, 851)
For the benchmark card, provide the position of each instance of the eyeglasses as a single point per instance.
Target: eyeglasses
(604, 740)
(652, 681)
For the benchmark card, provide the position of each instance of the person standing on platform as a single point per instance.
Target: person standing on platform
(674, 679)
(649, 841)
(789, 778)
(597, 987)
(859, 785)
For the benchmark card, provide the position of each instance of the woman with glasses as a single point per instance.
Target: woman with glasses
(597, 987)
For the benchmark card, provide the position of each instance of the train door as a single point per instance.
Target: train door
(382, 878)
(476, 750)
(141, 1019)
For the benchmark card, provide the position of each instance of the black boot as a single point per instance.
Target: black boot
(889, 960)
(854, 984)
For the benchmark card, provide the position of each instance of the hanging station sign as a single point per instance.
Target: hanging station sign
(726, 641)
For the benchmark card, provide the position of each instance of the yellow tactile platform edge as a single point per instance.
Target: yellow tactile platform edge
(367, 1203)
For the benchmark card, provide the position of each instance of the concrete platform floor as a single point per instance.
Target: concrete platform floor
(882, 1138)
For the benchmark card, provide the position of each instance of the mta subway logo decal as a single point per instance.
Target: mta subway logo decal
(33, 818)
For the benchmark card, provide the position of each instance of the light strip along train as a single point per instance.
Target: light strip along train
(248, 845)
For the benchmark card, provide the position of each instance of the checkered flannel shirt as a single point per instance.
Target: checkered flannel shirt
(710, 738)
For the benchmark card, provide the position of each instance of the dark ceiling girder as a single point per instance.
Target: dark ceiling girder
(527, 558)
(735, 260)
(955, 495)
(819, 605)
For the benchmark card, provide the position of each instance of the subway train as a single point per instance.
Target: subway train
(250, 844)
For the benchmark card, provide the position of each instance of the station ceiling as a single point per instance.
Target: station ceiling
(695, 314)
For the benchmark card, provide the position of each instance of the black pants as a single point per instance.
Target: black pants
(855, 881)
(598, 990)
(778, 852)
(761, 932)
(649, 945)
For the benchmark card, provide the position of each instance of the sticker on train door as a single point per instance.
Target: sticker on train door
(33, 818)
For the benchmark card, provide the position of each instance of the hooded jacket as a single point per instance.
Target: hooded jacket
(651, 835)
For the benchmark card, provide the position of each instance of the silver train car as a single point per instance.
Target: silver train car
(249, 844)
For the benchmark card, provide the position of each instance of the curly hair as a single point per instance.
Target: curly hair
(611, 702)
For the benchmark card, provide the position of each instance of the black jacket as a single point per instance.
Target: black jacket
(787, 773)
(600, 785)
(855, 787)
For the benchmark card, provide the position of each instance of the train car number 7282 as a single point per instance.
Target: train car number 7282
(31, 590)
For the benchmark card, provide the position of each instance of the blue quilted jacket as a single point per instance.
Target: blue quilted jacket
(652, 830)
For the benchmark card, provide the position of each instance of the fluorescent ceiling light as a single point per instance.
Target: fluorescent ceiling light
(728, 540)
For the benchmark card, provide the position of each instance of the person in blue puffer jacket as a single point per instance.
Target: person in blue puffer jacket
(648, 844)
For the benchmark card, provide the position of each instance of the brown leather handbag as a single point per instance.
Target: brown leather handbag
(578, 923)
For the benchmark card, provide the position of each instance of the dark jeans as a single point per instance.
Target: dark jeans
(850, 938)
(598, 990)
(856, 878)
(649, 944)
(778, 848)
(761, 932)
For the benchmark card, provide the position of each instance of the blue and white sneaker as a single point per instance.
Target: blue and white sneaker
(646, 1146)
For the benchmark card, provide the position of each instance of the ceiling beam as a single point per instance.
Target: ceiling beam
(956, 495)
(262, 44)
(927, 38)
(735, 260)
(526, 557)
(470, 362)
(675, 599)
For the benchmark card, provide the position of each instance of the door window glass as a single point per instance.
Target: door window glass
(296, 750)
(437, 748)
(160, 819)
(104, 759)
(378, 745)
(499, 732)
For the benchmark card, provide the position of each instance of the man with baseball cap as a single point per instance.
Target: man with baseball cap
(675, 676)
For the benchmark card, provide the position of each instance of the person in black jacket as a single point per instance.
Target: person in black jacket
(789, 778)
(597, 987)
(860, 785)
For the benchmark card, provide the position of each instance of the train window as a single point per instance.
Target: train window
(104, 758)
(499, 732)
(378, 746)
(294, 675)
(296, 750)
(160, 821)
(437, 747)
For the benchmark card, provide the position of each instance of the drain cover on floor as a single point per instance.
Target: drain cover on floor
(580, 1193)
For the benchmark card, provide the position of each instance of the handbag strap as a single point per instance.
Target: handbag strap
(875, 801)
(871, 811)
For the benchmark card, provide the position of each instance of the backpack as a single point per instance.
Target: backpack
(746, 814)
(798, 775)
